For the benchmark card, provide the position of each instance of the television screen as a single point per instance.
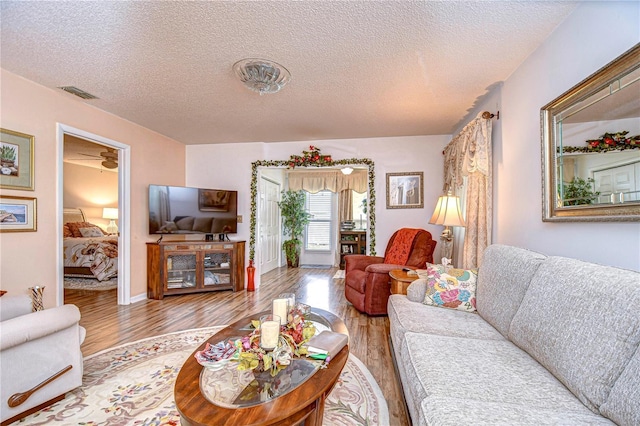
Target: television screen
(182, 210)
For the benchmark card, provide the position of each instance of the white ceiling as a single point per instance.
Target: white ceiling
(359, 68)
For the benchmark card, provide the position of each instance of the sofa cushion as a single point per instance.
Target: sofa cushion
(581, 321)
(407, 316)
(622, 406)
(202, 224)
(503, 279)
(483, 371)
(461, 410)
(185, 223)
(455, 288)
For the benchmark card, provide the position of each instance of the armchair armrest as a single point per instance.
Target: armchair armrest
(14, 306)
(22, 329)
(360, 262)
(383, 268)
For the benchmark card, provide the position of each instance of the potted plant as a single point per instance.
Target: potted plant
(294, 219)
(579, 191)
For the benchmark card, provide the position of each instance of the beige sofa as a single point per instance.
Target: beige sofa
(34, 346)
(555, 341)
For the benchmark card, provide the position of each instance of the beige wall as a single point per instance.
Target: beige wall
(90, 189)
(28, 258)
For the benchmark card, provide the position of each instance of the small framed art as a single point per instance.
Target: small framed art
(17, 214)
(16, 160)
(405, 190)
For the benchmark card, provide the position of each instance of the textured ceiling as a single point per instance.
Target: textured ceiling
(359, 68)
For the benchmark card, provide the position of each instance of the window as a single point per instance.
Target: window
(360, 209)
(318, 232)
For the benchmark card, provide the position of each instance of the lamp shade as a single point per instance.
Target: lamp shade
(447, 211)
(109, 213)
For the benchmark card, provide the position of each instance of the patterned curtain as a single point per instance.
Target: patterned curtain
(468, 156)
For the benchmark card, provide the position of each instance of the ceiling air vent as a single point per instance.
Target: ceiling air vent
(78, 92)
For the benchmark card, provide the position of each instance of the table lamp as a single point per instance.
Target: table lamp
(447, 213)
(112, 215)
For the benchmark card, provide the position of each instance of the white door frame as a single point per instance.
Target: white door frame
(124, 210)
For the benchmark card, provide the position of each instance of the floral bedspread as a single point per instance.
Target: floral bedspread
(99, 254)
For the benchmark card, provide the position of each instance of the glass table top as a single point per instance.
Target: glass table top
(231, 388)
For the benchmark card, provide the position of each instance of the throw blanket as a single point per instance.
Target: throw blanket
(399, 252)
(100, 255)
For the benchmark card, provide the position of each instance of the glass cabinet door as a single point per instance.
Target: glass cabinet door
(181, 270)
(217, 268)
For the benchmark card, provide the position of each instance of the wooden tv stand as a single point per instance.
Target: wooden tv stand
(180, 267)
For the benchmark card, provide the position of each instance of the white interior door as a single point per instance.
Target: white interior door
(269, 253)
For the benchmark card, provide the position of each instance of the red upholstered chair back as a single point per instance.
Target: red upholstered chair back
(420, 247)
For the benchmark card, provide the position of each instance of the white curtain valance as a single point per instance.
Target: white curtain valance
(333, 180)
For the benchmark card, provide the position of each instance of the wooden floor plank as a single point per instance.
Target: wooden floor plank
(109, 324)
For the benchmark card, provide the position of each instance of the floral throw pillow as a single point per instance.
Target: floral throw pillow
(455, 289)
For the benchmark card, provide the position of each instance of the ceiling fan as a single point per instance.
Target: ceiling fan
(109, 158)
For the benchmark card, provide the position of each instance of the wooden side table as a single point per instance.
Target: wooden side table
(400, 280)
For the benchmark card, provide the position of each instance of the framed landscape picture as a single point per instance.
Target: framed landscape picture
(16, 160)
(405, 190)
(17, 214)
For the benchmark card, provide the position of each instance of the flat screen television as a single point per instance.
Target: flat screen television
(183, 210)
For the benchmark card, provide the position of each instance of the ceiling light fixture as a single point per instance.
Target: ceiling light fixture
(261, 75)
(346, 170)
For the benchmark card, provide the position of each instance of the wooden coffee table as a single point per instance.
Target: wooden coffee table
(304, 403)
(400, 280)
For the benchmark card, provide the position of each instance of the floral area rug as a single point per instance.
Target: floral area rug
(91, 284)
(132, 384)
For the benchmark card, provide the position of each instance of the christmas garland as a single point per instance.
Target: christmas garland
(607, 142)
(312, 158)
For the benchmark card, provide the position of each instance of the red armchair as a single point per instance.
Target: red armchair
(367, 282)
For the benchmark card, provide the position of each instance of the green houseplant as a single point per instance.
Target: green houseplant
(294, 219)
(579, 191)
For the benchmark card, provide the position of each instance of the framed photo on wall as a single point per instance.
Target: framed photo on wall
(16, 160)
(405, 190)
(17, 214)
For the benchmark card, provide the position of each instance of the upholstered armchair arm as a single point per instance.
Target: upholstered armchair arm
(14, 306)
(22, 329)
(383, 268)
(360, 262)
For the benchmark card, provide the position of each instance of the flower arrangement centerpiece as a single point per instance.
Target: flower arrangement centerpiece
(310, 158)
(608, 142)
(293, 335)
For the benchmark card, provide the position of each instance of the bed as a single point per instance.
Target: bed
(87, 251)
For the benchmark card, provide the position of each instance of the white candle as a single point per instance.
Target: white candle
(280, 307)
(269, 332)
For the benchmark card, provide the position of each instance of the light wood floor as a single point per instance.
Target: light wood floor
(109, 324)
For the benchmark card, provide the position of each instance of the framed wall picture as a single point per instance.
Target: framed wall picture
(17, 214)
(405, 190)
(213, 200)
(16, 160)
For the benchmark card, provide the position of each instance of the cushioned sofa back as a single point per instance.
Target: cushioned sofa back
(503, 279)
(581, 321)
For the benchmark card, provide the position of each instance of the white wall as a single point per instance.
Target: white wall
(577, 48)
(90, 189)
(29, 258)
(391, 155)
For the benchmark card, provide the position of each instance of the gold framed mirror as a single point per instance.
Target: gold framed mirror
(591, 146)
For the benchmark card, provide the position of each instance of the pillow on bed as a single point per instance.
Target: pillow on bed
(74, 227)
(66, 232)
(91, 231)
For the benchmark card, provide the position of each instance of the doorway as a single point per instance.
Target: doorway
(269, 224)
(123, 161)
